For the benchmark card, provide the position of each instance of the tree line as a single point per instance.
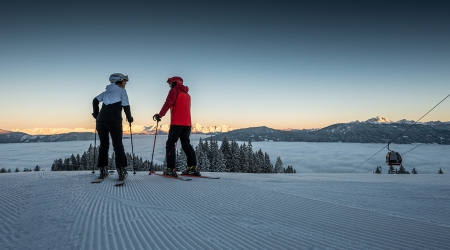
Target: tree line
(228, 157)
(400, 170)
(232, 157)
(89, 158)
(3, 170)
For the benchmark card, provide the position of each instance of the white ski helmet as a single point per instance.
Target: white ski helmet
(117, 77)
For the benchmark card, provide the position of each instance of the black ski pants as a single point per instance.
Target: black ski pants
(113, 129)
(180, 132)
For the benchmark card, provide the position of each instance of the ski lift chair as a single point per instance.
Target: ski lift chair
(393, 158)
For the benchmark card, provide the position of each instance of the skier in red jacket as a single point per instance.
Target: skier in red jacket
(179, 102)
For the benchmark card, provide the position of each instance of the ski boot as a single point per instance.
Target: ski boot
(122, 174)
(103, 173)
(192, 170)
(171, 171)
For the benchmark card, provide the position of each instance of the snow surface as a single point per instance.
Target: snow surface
(63, 210)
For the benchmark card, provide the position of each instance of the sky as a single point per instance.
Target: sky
(281, 64)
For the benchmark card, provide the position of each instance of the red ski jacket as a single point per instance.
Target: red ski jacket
(179, 102)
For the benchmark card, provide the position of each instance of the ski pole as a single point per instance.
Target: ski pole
(95, 146)
(132, 150)
(153, 151)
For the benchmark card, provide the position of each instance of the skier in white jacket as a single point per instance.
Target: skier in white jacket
(109, 123)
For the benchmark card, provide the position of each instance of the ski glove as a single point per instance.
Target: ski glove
(156, 118)
(128, 113)
(95, 103)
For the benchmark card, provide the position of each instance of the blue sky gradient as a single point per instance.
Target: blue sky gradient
(252, 63)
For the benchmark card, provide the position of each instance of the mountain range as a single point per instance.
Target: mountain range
(82, 134)
(373, 130)
(136, 129)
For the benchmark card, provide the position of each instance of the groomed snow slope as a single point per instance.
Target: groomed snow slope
(63, 210)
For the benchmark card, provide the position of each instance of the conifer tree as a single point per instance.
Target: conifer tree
(54, 168)
(112, 160)
(251, 158)
(243, 157)
(146, 166)
(78, 162)
(204, 163)
(391, 170)
(378, 171)
(225, 147)
(17, 170)
(267, 165)
(83, 161)
(279, 166)
(414, 171)
(289, 170)
(66, 164)
(90, 156)
(402, 170)
(235, 158)
(164, 166)
(181, 160)
(73, 162)
(440, 171)
(141, 164)
(217, 163)
(258, 161)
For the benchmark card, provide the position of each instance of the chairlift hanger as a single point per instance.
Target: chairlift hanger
(392, 157)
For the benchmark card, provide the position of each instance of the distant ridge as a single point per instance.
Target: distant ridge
(373, 130)
(136, 129)
(4, 132)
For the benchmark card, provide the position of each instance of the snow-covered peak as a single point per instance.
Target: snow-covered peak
(51, 131)
(378, 119)
(406, 121)
(197, 128)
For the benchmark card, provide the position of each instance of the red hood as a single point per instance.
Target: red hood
(182, 87)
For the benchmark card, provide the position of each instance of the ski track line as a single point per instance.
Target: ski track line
(11, 207)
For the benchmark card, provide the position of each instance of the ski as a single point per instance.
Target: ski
(201, 176)
(98, 180)
(173, 177)
(119, 183)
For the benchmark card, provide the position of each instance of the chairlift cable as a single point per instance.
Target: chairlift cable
(414, 147)
(402, 133)
(420, 118)
(368, 159)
